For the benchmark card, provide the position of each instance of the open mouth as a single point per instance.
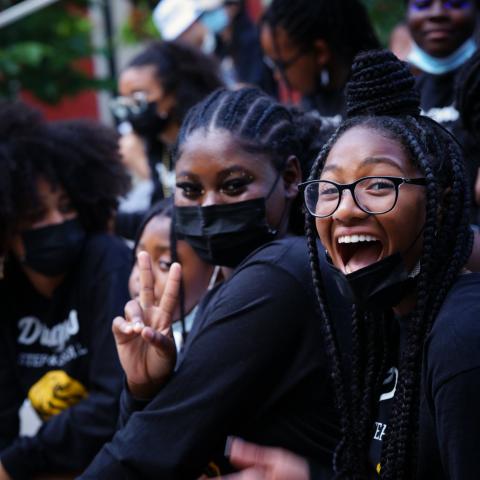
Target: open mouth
(358, 251)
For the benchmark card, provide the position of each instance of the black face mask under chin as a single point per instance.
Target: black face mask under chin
(379, 286)
(52, 250)
(148, 123)
(224, 234)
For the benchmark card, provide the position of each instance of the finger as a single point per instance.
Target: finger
(147, 296)
(244, 454)
(161, 342)
(134, 315)
(163, 316)
(123, 331)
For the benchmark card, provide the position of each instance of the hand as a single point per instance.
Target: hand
(4, 474)
(144, 338)
(263, 463)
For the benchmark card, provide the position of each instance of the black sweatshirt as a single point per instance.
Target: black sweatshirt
(253, 366)
(72, 333)
(450, 404)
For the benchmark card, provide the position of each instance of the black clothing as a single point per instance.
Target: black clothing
(437, 91)
(70, 332)
(253, 366)
(449, 408)
(246, 55)
(329, 104)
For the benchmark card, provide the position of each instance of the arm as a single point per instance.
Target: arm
(10, 396)
(232, 364)
(69, 440)
(457, 420)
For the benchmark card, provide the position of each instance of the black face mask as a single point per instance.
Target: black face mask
(224, 234)
(377, 287)
(52, 250)
(148, 123)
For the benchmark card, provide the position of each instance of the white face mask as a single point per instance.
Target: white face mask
(438, 66)
(209, 43)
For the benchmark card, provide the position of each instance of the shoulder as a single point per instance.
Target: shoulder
(452, 345)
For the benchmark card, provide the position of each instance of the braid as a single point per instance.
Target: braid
(381, 97)
(344, 25)
(260, 125)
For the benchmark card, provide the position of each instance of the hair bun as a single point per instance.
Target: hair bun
(381, 84)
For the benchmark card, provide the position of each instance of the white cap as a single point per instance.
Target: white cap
(173, 17)
(207, 5)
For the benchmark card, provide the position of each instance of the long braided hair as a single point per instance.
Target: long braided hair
(261, 126)
(381, 96)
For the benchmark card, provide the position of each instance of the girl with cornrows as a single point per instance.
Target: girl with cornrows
(387, 197)
(310, 45)
(251, 365)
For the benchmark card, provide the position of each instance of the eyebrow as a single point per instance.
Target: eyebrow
(221, 175)
(366, 161)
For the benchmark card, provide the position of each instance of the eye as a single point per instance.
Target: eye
(421, 4)
(164, 265)
(457, 4)
(190, 190)
(235, 186)
(378, 186)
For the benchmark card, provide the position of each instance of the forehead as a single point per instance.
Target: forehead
(135, 79)
(157, 231)
(208, 152)
(276, 42)
(358, 145)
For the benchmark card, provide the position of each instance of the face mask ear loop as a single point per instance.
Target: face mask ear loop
(174, 255)
(213, 278)
(269, 194)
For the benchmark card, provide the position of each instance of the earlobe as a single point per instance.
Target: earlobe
(323, 53)
(292, 176)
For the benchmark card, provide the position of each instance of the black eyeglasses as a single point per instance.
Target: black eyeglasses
(283, 65)
(374, 195)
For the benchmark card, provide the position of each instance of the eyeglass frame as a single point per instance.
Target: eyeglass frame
(284, 65)
(341, 187)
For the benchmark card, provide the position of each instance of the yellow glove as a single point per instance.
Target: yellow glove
(55, 392)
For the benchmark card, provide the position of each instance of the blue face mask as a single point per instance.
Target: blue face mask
(439, 66)
(215, 20)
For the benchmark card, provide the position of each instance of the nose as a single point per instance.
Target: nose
(348, 209)
(437, 9)
(210, 198)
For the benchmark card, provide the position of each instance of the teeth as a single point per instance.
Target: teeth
(356, 238)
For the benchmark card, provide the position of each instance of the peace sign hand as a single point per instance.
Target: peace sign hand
(144, 338)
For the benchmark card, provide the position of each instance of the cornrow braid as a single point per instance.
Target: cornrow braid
(447, 243)
(260, 125)
(344, 25)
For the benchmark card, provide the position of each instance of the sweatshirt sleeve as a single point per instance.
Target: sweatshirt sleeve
(235, 361)
(457, 422)
(69, 440)
(10, 396)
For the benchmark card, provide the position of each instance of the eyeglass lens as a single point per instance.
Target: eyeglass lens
(373, 195)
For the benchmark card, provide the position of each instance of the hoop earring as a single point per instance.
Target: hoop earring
(325, 77)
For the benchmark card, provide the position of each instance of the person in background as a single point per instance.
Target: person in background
(310, 45)
(443, 35)
(252, 364)
(157, 88)
(157, 237)
(64, 278)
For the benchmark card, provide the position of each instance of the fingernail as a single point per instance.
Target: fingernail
(228, 445)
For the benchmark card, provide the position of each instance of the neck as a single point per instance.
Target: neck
(227, 272)
(440, 65)
(339, 73)
(169, 135)
(44, 285)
